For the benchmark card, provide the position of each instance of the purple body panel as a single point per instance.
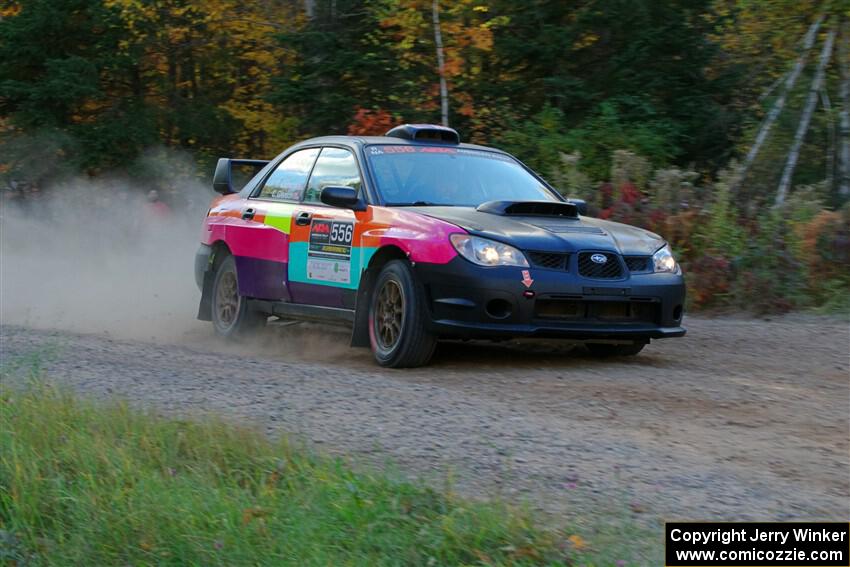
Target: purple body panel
(317, 294)
(262, 279)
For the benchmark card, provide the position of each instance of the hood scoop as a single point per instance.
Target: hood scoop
(529, 209)
(564, 228)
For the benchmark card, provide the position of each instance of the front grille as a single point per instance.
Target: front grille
(611, 269)
(577, 310)
(549, 260)
(637, 263)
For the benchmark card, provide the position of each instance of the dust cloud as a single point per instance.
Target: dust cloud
(99, 257)
(102, 257)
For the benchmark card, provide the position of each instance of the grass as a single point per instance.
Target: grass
(85, 483)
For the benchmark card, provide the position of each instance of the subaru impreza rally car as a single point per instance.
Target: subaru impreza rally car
(413, 237)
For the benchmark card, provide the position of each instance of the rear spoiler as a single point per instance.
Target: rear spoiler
(223, 176)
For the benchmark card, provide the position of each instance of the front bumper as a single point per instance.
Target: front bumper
(469, 301)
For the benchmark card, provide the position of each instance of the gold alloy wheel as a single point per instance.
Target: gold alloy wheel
(389, 314)
(227, 299)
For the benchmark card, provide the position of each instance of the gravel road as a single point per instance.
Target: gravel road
(741, 420)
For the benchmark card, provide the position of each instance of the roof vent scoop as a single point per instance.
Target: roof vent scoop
(423, 132)
(529, 209)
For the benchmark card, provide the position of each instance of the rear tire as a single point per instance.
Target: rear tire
(397, 319)
(607, 351)
(230, 314)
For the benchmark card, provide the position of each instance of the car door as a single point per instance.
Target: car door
(260, 237)
(325, 256)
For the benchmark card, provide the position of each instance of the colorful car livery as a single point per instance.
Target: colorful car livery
(413, 237)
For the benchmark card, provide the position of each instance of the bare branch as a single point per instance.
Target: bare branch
(844, 120)
(805, 120)
(830, 155)
(770, 119)
(441, 64)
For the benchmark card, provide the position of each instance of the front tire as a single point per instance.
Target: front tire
(397, 319)
(607, 351)
(230, 314)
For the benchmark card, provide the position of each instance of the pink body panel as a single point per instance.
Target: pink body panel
(422, 238)
(248, 238)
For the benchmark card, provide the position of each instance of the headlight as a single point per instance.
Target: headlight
(486, 252)
(664, 262)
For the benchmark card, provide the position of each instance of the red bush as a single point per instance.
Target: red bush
(371, 122)
(708, 278)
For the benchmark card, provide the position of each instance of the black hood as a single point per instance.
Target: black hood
(547, 232)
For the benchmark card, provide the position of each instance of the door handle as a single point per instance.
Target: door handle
(303, 218)
(248, 214)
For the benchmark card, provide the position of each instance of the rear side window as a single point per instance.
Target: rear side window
(290, 177)
(336, 166)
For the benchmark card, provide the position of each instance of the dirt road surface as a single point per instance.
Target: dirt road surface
(741, 420)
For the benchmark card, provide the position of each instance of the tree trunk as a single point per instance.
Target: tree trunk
(830, 154)
(441, 64)
(803, 126)
(770, 119)
(310, 8)
(844, 128)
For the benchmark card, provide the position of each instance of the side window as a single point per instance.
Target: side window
(288, 180)
(335, 166)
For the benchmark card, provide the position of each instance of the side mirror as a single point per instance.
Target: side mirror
(223, 176)
(343, 197)
(581, 205)
(222, 182)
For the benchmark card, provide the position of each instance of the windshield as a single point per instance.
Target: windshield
(439, 175)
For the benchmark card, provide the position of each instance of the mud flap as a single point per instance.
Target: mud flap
(205, 307)
(360, 332)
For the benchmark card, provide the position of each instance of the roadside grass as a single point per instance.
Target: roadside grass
(86, 483)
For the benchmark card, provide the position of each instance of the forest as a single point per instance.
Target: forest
(720, 124)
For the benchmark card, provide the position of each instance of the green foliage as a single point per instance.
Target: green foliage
(791, 257)
(607, 129)
(667, 80)
(540, 80)
(835, 295)
(571, 180)
(769, 278)
(106, 485)
(652, 96)
(539, 141)
(330, 74)
(722, 233)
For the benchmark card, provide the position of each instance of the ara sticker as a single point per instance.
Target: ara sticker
(526, 278)
(329, 254)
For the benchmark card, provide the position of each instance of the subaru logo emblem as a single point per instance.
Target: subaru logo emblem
(599, 258)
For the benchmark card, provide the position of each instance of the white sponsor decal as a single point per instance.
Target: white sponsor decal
(329, 252)
(327, 270)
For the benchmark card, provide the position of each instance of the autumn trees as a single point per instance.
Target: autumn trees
(95, 82)
(105, 79)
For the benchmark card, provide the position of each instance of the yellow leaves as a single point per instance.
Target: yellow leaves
(227, 46)
(11, 10)
(585, 40)
(577, 542)
(496, 22)
(768, 32)
(178, 34)
(481, 38)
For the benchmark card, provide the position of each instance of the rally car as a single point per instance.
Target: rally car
(412, 237)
